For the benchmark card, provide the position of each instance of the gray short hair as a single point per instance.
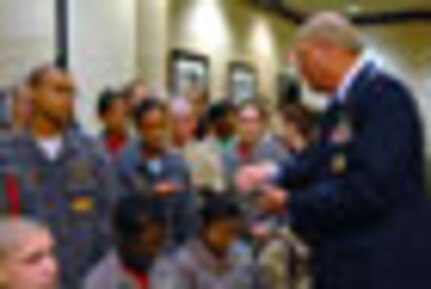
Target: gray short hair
(13, 230)
(334, 28)
(180, 106)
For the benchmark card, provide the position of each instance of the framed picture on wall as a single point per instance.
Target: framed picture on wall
(242, 81)
(188, 71)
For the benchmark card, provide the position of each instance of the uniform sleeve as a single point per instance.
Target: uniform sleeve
(296, 170)
(377, 164)
(171, 275)
(184, 200)
(279, 153)
(4, 202)
(6, 153)
(107, 177)
(130, 179)
(180, 173)
(107, 195)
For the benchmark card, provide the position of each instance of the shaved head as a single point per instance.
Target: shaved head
(13, 231)
(26, 255)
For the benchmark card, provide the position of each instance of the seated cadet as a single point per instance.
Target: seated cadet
(210, 261)
(27, 260)
(140, 233)
(59, 176)
(147, 166)
(113, 114)
(205, 163)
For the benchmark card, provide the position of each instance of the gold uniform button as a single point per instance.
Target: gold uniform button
(82, 204)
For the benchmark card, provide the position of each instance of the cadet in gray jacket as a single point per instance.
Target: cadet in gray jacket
(211, 260)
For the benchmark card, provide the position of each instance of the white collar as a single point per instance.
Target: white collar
(51, 147)
(350, 77)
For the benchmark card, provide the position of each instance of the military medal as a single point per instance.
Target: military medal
(339, 163)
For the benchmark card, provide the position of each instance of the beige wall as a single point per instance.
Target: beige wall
(102, 49)
(152, 34)
(27, 37)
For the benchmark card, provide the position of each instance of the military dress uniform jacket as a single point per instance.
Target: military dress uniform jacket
(369, 215)
(73, 195)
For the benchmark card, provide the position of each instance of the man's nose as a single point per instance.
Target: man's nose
(50, 267)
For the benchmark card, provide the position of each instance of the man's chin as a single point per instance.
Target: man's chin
(320, 89)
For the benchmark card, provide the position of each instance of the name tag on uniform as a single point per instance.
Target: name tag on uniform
(342, 133)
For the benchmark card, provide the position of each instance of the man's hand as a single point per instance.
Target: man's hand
(166, 188)
(260, 231)
(272, 199)
(252, 176)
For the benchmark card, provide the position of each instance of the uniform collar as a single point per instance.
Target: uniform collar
(207, 260)
(350, 78)
(71, 143)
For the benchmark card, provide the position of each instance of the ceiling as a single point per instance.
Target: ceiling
(357, 5)
(361, 12)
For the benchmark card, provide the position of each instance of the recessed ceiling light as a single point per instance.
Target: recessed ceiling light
(354, 8)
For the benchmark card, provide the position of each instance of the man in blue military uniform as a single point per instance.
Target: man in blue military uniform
(147, 166)
(368, 213)
(59, 176)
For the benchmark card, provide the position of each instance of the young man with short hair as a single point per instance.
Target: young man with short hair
(139, 231)
(26, 255)
(211, 261)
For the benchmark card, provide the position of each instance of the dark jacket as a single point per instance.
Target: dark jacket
(368, 217)
(73, 195)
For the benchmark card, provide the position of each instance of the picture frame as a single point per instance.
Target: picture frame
(242, 81)
(188, 70)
